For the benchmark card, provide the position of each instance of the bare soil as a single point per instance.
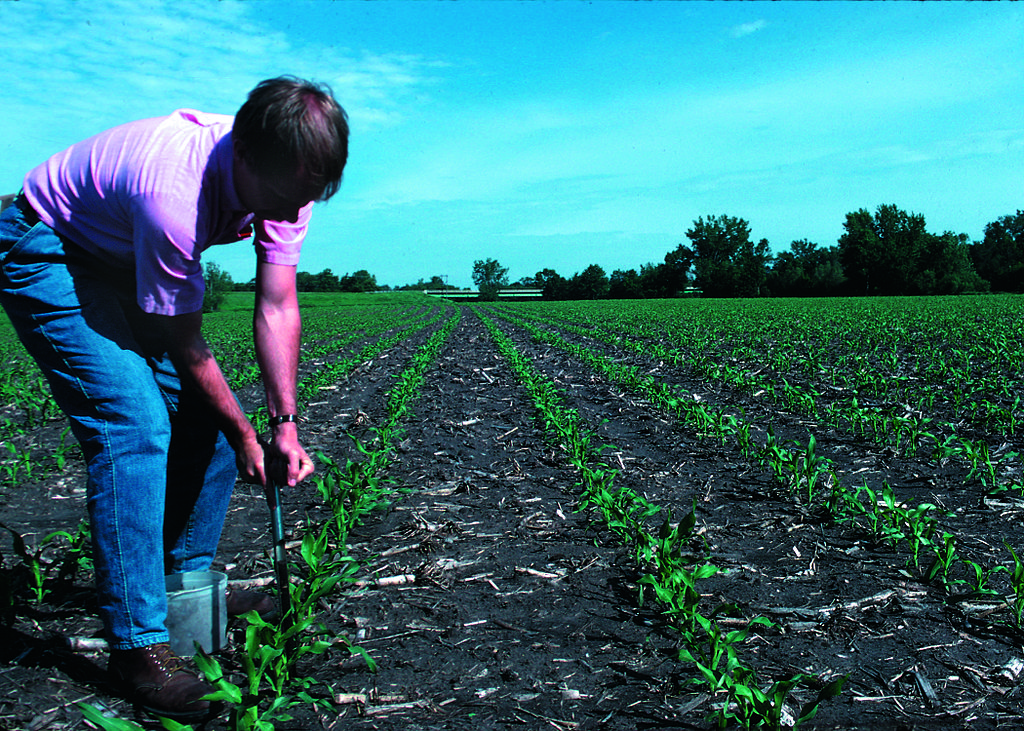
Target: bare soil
(523, 613)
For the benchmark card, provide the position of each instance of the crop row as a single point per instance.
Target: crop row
(890, 422)
(963, 355)
(269, 688)
(659, 547)
(933, 550)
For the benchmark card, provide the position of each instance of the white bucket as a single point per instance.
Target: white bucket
(197, 611)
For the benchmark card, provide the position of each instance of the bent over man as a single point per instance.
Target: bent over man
(101, 275)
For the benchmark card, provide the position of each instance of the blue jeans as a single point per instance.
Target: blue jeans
(160, 473)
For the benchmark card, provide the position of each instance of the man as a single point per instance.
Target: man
(100, 273)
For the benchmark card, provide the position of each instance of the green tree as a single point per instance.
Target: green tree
(751, 263)
(304, 281)
(625, 285)
(654, 281)
(556, 287)
(882, 253)
(787, 277)
(675, 276)
(825, 272)
(806, 270)
(726, 262)
(947, 266)
(360, 281)
(999, 257)
(325, 281)
(436, 282)
(541, 278)
(217, 284)
(489, 277)
(590, 284)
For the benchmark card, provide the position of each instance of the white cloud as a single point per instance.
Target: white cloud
(746, 29)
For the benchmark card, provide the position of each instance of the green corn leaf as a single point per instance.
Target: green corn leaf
(94, 715)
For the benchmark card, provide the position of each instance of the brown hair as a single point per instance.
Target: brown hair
(289, 123)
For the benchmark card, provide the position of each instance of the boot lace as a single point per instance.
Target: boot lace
(166, 659)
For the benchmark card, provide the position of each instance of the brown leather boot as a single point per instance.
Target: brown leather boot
(240, 601)
(156, 679)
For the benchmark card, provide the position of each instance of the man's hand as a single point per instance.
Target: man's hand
(250, 458)
(287, 461)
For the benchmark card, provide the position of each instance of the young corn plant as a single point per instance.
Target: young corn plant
(670, 579)
(63, 449)
(918, 528)
(713, 651)
(863, 513)
(666, 574)
(982, 576)
(1016, 602)
(251, 708)
(75, 552)
(814, 468)
(778, 459)
(17, 465)
(273, 650)
(72, 552)
(945, 559)
(891, 512)
(353, 491)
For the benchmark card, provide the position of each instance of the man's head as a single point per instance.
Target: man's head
(293, 128)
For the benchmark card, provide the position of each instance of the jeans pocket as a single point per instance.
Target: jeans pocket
(26, 255)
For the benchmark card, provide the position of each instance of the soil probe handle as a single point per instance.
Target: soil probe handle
(284, 596)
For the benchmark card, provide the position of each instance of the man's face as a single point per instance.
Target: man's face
(274, 197)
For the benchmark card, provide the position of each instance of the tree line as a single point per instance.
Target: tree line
(888, 252)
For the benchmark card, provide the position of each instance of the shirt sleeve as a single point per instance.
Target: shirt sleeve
(168, 270)
(280, 242)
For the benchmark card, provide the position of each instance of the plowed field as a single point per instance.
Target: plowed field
(489, 600)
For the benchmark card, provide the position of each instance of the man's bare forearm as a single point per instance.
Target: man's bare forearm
(277, 331)
(197, 365)
(277, 334)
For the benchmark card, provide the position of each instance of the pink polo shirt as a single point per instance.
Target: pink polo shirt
(151, 196)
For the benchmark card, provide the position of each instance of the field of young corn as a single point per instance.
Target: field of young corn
(681, 514)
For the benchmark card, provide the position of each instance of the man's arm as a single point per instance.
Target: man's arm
(277, 331)
(197, 366)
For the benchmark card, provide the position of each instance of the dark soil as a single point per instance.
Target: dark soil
(522, 613)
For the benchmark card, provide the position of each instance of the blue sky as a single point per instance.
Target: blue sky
(561, 134)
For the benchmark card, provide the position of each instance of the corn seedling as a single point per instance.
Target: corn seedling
(919, 527)
(1016, 604)
(982, 576)
(39, 570)
(251, 708)
(713, 651)
(17, 464)
(273, 649)
(945, 557)
(60, 454)
(812, 468)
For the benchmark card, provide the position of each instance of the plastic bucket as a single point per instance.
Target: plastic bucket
(197, 611)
